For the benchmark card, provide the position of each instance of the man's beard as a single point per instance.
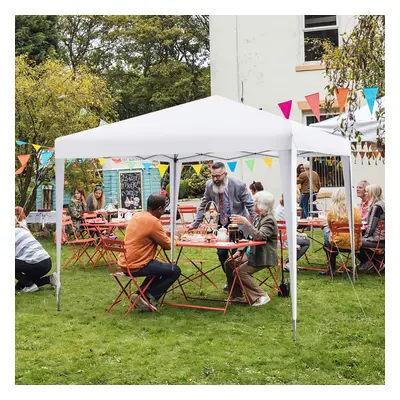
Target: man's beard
(221, 188)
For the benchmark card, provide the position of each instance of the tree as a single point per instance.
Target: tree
(152, 62)
(51, 101)
(357, 63)
(36, 36)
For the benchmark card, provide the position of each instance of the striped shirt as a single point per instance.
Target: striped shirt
(27, 248)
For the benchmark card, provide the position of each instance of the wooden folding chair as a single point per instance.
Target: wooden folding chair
(376, 253)
(340, 228)
(78, 246)
(117, 247)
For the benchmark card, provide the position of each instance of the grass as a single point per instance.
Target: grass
(81, 344)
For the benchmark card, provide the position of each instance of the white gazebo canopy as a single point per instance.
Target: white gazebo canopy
(213, 128)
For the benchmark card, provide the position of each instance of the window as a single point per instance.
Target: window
(329, 169)
(47, 197)
(319, 27)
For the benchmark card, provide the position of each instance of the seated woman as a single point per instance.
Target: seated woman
(255, 187)
(32, 262)
(76, 206)
(376, 213)
(338, 213)
(259, 257)
(303, 243)
(21, 217)
(95, 200)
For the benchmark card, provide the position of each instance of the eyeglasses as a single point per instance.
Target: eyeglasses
(218, 176)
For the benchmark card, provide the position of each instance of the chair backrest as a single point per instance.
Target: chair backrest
(67, 222)
(187, 210)
(381, 231)
(114, 246)
(87, 216)
(337, 227)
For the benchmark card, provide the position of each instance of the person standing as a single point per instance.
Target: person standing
(363, 195)
(231, 196)
(96, 200)
(304, 181)
(143, 235)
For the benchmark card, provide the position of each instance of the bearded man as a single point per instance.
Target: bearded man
(231, 196)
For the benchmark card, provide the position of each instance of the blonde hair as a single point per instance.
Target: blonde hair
(375, 193)
(339, 205)
(98, 204)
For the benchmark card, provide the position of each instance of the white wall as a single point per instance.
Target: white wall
(263, 52)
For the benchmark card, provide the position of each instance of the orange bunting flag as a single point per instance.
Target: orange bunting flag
(162, 168)
(341, 97)
(268, 161)
(197, 168)
(36, 146)
(313, 101)
(182, 167)
(24, 161)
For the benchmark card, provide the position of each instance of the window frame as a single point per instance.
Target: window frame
(316, 29)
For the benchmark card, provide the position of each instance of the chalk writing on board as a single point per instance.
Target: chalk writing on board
(131, 190)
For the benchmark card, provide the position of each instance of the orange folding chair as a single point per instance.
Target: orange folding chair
(376, 253)
(184, 212)
(78, 246)
(117, 247)
(339, 228)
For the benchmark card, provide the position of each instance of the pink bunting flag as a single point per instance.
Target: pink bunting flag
(313, 101)
(24, 161)
(286, 107)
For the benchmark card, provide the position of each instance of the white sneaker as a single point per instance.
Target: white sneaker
(28, 289)
(142, 303)
(54, 280)
(261, 301)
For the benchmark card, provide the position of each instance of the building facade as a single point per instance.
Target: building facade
(263, 61)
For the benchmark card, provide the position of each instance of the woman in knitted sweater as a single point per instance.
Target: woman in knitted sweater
(339, 213)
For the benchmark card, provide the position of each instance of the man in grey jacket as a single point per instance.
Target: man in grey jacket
(231, 197)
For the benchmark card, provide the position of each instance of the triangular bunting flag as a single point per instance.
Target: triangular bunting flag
(250, 164)
(36, 146)
(46, 155)
(83, 112)
(102, 123)
(20, 142)
(362, 144)
(83, 159)
(101, 160)
(362, 154)
(116, 160)
(50, 149)
(130, 164)
(146, 165)
(197, 168)
(268, 161)
(286, 107)
(24, 161)
(182, 167)
(232, 165)
(313, 101)
(162, 168)
(370, 94)
(355, 156)
(341, 97)
(369, 155)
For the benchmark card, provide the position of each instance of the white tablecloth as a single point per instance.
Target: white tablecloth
(43, 218)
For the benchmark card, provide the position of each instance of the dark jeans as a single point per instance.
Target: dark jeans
(28, 274)
(166, 275)
(362, 256)
(331, 257)
(304, 244)
(304, 204)
(223, 255)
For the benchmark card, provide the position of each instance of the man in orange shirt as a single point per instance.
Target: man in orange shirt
(143, 235)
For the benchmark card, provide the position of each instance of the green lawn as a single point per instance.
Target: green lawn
(81, 344)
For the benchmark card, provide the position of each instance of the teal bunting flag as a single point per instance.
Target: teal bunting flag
(370, 94)
(146, 165)
(46, 155)
(20, 142)
(232, 165)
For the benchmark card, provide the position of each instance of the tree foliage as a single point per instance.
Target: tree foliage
(48, 99)
(152, 62)
(357, 63)
(36, 36)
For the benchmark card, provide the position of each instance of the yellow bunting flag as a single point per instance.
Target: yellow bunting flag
(36, 146)
(101, 161)
(162, 168)
(197, 168)
(268, 161)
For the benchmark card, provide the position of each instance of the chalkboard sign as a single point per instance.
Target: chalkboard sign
(131, 190)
